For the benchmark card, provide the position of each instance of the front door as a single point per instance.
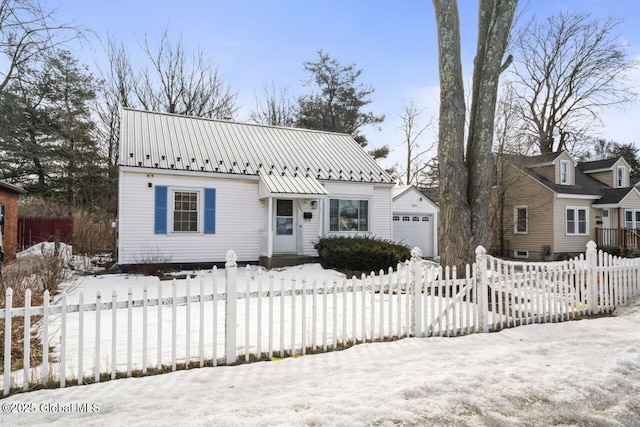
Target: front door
(284, 241)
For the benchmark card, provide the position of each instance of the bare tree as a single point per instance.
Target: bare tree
(569, 68)
(412, 132)
(176, 82)
(276, 109)
(27, 33)
(465, 183)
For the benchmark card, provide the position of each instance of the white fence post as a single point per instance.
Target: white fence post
(230, 315)
(7, 342)
(592, 286)
(483, 289)
(416, 278)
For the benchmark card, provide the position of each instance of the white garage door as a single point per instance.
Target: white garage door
(414, 230)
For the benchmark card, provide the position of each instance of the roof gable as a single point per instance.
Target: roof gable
(169, 141)
(402, 190)
(11, 188)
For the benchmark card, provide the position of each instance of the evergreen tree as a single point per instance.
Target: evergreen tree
(338, 104)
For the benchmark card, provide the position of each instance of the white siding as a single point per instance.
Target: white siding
(411, 202)
(379, 205)
(310, 228)
(381, 215)
(239, 217)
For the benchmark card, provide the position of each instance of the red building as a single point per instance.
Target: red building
(9, 209)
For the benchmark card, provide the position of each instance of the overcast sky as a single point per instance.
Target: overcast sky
(393, 42)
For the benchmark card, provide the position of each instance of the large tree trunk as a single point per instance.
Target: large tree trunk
(465, 187)
(495, 18)
(456, 241)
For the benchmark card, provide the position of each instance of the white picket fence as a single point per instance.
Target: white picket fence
(262, 318)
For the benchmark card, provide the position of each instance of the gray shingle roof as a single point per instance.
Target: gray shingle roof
(168, 141)
(597, 164)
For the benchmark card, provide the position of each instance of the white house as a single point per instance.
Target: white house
(190, 189)
(415, 220)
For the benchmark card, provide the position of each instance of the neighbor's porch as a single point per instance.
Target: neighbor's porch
(620, 238)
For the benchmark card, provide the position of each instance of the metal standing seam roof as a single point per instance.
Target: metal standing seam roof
(278, 184)
(174, 142)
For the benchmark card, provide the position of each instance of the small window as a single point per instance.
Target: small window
(406, 218)
(415, 218)
(621, 173)
(396, 218)
(564, 172)
(425, 219)
(521, 254)
(521, 220)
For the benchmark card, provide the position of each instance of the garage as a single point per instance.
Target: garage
(415, 220)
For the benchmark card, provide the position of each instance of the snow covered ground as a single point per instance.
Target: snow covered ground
(574, 373)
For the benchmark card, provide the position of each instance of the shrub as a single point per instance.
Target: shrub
(363, 254)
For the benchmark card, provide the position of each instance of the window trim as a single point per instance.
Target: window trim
(521, 254)
(567, 180)
(620, 171)
(355, 199)
(576, 210)
(171, 209)
(515, 220)
(634, 219)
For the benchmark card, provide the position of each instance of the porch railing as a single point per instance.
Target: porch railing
(617, 238)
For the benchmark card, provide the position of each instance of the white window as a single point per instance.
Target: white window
(406, 218)
(620, 177)
(521, 220)
(577, 220)
(348, 215)
(185, 211)
(415, 218)
(425, 218)
(632, 219)
(396, 218)
(564, 172)
(521, 254)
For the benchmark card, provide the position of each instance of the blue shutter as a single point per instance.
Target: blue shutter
(209, 211)
(160, 223)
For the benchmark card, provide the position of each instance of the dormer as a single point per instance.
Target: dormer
(564, 168)
(612, 172)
